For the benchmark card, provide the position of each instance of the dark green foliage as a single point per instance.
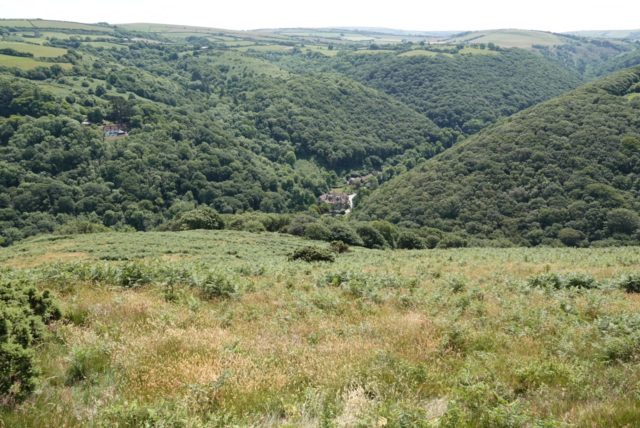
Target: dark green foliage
(461, 92)
(629, 283)
(339, 247)
(410, 241)
(132, 274)
(563, 171)
(317, 231)
(217, 285)
(312, 254)
(81, 226)
(452, 241)
(622, 221)
(558, 282)
(371, 237)
(342, 231)
(201, 218)
(24, 312)
(571, 237)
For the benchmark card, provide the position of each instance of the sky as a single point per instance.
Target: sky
(426, 15)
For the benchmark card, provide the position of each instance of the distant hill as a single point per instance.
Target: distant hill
(609, 34)
(461, 89)
(563, 171)
(510, 38)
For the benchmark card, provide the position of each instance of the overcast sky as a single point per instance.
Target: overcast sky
(550, 15)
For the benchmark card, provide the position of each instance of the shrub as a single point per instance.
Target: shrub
(339, 247)
(431, 241)
(131, 275)
(622, 221)
(217, 285)
(452, 241)
(200, 218)
(24, 311)
(312, 254)
(299, 224)
(558, 282)
(81, 227)
(630, 283)
(571, 237)
(387, 230)
(345, 233)
(371, 238)
(318, 232)
(410, 241)
(254, 226)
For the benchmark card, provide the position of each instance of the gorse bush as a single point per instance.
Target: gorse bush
(312, 254)
(24, 312)
(200, 218)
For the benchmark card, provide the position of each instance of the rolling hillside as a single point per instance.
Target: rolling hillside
(210, 127)
(563, 171)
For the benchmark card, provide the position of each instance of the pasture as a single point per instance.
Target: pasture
(510, 38)
(221, 328)
(27, 63)
(36, 50)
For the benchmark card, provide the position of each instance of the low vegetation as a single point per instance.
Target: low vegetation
(219, 328)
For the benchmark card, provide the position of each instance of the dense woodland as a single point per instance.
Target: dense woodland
(462, 92)
(566, 171)
(259, 131)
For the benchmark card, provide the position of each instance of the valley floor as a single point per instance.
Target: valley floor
(220, 329)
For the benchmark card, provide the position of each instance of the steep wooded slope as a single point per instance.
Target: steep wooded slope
(568, 169)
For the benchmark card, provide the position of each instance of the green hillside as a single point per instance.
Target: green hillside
(565, 171)
(244, 121)
(208, 127)
(464, 92)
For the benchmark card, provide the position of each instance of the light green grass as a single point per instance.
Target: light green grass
(107, 45)
(36, 50)
(372, 51)
(49, 24)
(511, 38)
(265, 48)
(422, 52)
(27, 63)
(468, 50)
(321, 49)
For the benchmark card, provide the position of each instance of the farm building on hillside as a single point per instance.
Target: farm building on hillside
(338, 201)
(114, 130)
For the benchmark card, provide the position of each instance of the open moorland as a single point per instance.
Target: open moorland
(221, 328)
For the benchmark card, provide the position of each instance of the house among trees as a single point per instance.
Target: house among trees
(114, 130)
(338, 201)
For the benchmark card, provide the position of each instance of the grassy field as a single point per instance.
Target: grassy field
(49, 24)
(36, 50)
(220, 328)
(510, 38)
(27, 63)
(422, 52)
